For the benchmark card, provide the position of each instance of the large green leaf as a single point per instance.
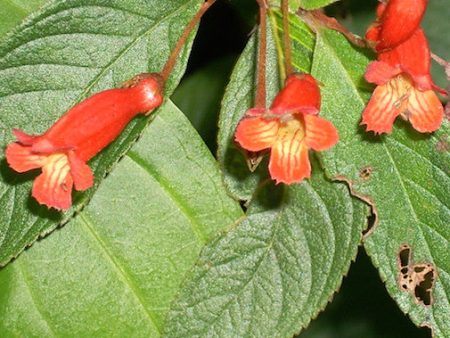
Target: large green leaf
(406, 179)
(274, 272)
(14, 11)
(239, 96)
(114, 269)
(55, 59)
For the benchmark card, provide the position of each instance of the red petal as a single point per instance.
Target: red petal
(54, 186)
(425, 111)
(384, 106)
(21, 159)
(289, 162)
(399, 21)
(256, 134)
(81, 173)
(320, 133)
(379, 72)
(300, 94)
(413, 58)
(24, 138)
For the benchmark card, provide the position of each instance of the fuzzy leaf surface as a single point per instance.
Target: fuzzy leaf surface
(272, 273)
(114, 270)
(62, 54)
(408, 184)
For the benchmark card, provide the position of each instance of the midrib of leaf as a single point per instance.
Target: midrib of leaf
(147, 167)
(19, 267)
(120, 271)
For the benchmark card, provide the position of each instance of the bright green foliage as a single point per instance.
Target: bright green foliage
(114, 270)
(239, 96)
(408, 183)
(63, 54)
(277, 269)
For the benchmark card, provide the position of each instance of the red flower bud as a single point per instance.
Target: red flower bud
(82, 132)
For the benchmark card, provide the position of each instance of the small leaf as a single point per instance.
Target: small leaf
(61, 55)
(274, 272)
(239, 96)
(408, 181)
(114, 270)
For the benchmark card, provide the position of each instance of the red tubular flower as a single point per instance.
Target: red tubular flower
(398, 20)
(402, 72)
(83, 131)
(289, 128)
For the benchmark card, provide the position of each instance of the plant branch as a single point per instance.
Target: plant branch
(260, 101)
(170, 64)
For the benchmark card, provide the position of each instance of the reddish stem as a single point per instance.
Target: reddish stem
(170, 64)
(286, 38)
(260, 101)
(316, 19)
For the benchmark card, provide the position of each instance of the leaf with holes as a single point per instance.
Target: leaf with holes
(275, 271)
(114, 270)
(61, 55)
(404, 175)
(239, 96)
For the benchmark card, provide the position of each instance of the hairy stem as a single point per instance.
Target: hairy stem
(260, 101)
(170, 64)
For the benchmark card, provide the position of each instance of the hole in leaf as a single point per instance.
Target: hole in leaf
(365, 172)
(417, 279)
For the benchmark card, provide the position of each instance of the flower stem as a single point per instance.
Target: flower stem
(260, 101)
(170, 64)
(286, 38)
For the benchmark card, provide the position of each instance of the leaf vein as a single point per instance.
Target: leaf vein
(118, 268)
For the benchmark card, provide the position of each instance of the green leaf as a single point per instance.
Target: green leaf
(305, 4)
(408, 185)
(312, 4)
(114, 270)
(61, 55)
(274, 272)
(239, 96)
(14, 11)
